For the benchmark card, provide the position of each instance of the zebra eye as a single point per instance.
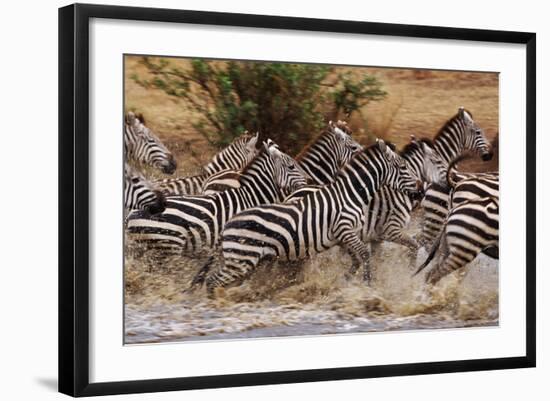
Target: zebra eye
(135, 180)
(291, 167)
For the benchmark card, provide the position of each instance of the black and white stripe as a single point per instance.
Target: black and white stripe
(470, 228)
(331, 150)
(233, 159)
(325, 218)
(143, 146)
(192, 224)
(321, 160)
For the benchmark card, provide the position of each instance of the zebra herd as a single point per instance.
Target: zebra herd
(253, 203)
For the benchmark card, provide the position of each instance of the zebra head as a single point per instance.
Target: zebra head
(399, 176)
(145, 146)
(344, 146)
(236, 156)
(140, 194)
(288, 175)
(424, 161)
(474, 138)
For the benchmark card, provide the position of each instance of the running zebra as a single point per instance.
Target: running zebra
(140, 194)
(470, 228)
(233, 158)
(143, 146)
(325, 218)
(389, 212)
(192, 224)
(460, 135)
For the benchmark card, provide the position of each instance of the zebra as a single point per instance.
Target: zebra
(233, 158)
(461, 134)
(325, 218)
(143, 146)
(140, 194)
(191, 225)
(470, 228)
(321, 160)
(389, 211)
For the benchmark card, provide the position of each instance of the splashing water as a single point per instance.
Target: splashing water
(318, 300)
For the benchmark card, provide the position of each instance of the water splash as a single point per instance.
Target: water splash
(318, 299)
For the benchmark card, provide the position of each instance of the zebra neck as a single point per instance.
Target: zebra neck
(449, 143)
(360, 180)
(319, 160)
(255, 192)
(258, 183)
(415, 163)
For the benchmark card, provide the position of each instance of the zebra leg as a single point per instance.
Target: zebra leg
(292, 269)
(360, 254)
(411, 244)
(230, 272)
(200, 277)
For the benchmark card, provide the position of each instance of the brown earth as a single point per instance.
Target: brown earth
(419, 102)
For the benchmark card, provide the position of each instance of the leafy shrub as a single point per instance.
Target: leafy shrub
(286, 102)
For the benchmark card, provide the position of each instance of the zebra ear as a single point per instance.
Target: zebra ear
(461, 112)
(381, 145)
(270, 146)
(426, 149)
(251, 144)
(130, 118)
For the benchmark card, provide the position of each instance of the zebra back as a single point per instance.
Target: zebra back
(143, 146)
(475, 187)
(222, 181)
(470, 228)
(234, 157)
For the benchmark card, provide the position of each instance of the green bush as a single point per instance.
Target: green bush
(289, 103)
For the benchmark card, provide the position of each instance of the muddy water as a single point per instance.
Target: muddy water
(319, 300)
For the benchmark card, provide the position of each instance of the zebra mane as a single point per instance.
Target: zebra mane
(444, 127)
(261, 152)
(312, 142)
(365, 152)
(141, 119)
(411, 146)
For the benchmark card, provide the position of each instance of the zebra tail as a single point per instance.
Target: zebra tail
(431, 255)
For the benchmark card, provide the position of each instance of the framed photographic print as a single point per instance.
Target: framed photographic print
(249, 199)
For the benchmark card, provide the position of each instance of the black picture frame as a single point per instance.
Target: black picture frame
(74, 198)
